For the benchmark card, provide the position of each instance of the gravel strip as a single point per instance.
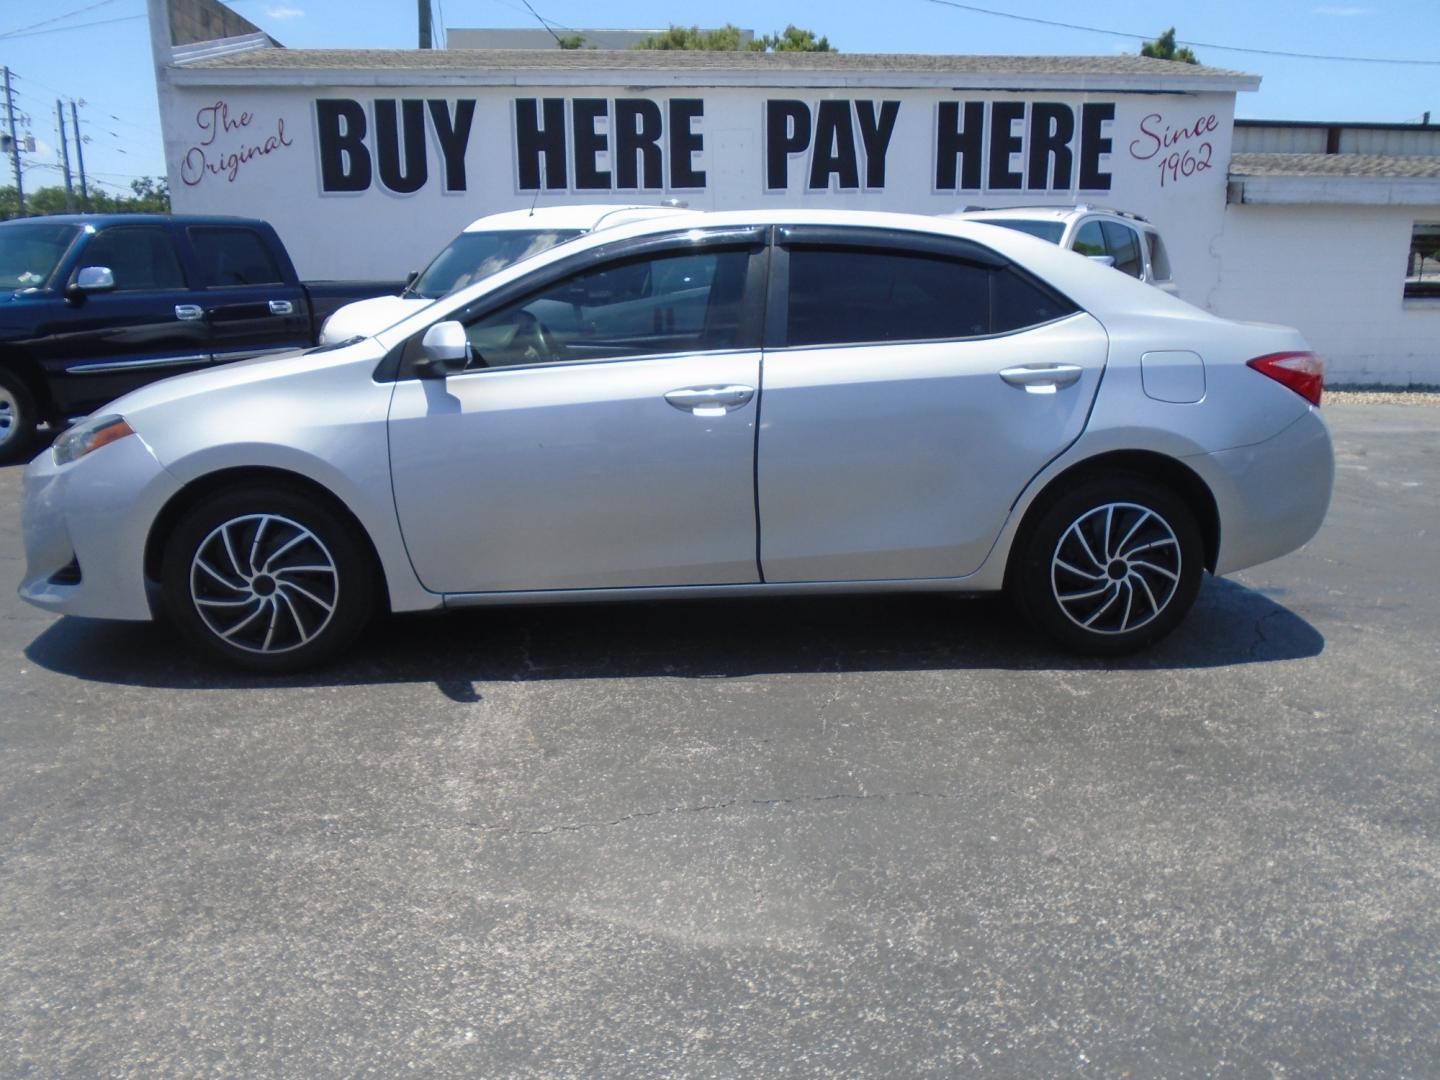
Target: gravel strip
(1428, 396)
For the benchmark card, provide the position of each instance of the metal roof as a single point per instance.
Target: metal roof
(1352, 165)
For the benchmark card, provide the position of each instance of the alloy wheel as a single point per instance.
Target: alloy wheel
(1116, 568)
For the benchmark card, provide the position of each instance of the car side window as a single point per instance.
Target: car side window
(1159, 259)
(1018, 302)
(645, 306)
(142, 258)
(1123, 246)
(852, 296)
(1090, 240)
(230, 256)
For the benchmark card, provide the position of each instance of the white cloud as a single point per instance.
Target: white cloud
(1342, 12)
(284, 13)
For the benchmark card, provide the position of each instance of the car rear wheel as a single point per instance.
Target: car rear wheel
(1110, 566)
(267, 578)
(17, 418)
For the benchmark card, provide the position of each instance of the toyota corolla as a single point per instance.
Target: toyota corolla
(776, 402)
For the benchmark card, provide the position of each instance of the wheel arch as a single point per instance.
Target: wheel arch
(1159, 468)
(25, 368)
(209, 484)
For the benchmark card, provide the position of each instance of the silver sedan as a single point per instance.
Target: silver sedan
(781, 402)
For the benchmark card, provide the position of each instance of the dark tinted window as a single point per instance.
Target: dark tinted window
(843, 296)
(29, 253)
(1045, 230)
(142, 257)
(638, 307)
(1159, 260)
(1123, 246)
(1019, 302)
(229, 256)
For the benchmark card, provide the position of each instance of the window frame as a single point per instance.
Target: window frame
(1418, 297)
(889, 242)
(399, 363)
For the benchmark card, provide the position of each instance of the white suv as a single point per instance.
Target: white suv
(487, 245)
(1117, 238)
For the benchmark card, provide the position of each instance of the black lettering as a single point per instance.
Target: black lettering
(1052, 126)
(1003, 143)
(589, 143)
(533, 141)
(834, 153)
(408, 176)
(875, 133)
(637, 131)
(344, 160)
(453, 135)
(787, 131)
(685, 142)
(952, 141)
(1093, 144)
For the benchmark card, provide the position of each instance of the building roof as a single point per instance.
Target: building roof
(515, 66)
(1384, 167)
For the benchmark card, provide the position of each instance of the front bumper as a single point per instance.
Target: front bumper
(96, 512)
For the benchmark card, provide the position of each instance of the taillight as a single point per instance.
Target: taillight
(1303, 372)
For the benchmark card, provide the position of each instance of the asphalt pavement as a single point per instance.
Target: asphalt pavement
(872, 837)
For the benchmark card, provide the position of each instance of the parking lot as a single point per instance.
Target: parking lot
(879, 836)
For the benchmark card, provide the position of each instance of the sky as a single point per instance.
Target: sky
(97, 52)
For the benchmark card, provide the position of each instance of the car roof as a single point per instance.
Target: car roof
(1046, 213)
(583, 217)
(134, 219)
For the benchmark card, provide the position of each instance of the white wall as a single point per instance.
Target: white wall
(379, 234)
(1336, 273)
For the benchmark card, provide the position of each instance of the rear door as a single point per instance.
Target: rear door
(912, 387)
(249, 307)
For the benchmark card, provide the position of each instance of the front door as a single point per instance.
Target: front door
(249, 308)
(603, 436)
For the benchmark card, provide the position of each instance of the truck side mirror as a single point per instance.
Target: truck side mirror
(444, 350)
(93, 279)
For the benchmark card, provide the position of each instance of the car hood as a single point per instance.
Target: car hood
(367, 317)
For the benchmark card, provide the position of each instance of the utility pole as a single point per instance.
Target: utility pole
(65, 155)
(425, 37)
(79, 155)
(14, 146)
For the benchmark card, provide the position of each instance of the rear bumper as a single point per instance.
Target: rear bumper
(1273, 495)
(96, 512)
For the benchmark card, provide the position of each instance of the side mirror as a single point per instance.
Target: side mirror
(444, 350)
(93, 279)
(410, 278)
(1103, 260)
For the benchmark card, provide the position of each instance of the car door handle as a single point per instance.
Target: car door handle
(1043, 378)
(281, 307)
(189, 312)
(710, 400)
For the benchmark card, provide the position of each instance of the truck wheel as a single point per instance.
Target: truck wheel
(267, 578)
(17, 418)
(1111, 566)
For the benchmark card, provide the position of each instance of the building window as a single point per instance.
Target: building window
(1422, 274)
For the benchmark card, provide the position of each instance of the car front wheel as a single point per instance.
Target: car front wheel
(266, 578)
(1111, 566)
(17, 418)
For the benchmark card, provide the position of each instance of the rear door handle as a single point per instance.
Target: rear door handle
(1043, 378)
(710, 400)
(189, 312)
(281, 307)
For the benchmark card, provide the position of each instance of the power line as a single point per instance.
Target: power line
(63, 29)
(543, 23)
(1191, 44)
(55, 18)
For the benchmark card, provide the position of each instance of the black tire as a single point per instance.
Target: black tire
(18, 418)
(240, 579)
(1117, 601)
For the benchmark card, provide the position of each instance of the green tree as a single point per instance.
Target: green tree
(148, 196)
(571, 41)
(728, 39)
(1163, 48)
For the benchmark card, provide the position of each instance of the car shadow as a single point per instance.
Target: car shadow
(1230, 624)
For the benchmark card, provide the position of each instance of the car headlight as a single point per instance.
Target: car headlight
(88, 436)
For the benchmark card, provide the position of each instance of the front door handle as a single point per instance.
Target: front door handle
(710, 400)
(189, 312)
(281, 307)
(1043, 378)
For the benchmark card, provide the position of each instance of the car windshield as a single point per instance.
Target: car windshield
(1045, 230)
(30, 252)
(475, 255)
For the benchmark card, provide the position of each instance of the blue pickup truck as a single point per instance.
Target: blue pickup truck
(93, 306)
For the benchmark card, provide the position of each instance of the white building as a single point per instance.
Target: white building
(367, 162)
